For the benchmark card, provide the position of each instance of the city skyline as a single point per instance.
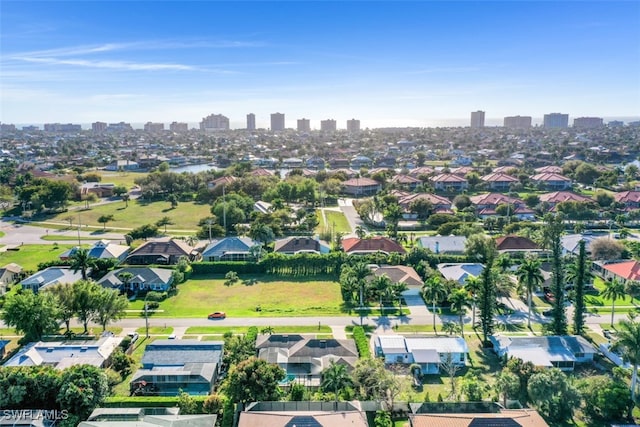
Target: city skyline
(387, 64)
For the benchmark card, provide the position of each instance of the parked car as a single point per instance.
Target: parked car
(217, 315)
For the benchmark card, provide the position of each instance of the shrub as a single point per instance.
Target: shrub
(240, 267)
(156, 296)
(362, 343)
(125, 343)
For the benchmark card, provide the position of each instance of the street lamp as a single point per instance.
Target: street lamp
(146, 314)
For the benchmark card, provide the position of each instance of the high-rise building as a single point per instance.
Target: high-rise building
(328, 125)
(556, 121)
(251, 121)
(353, 125)
(153, 127)
(99, 127)
(477, 119)
(277, 122)
(615, 124)
(214, 123)
(179, 127)
(517, 122)
(588, 122)
(119, 127)
(304, 125)
(7, 127)
(60, 127)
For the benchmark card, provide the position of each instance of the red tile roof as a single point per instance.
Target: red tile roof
(494, 199)
(627, 197)
(563, 196)
(629, 270)
(373, 244)
(360, 182)
(447, 177)
(546, 177)
(549, 169)
(522, 417)
(499, 177)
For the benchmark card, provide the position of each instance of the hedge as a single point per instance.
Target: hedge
(361, 341)
(223, 267)
(148, 402)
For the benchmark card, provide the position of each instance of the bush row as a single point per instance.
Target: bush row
(362, 342)
(223, 267)
(148, 402)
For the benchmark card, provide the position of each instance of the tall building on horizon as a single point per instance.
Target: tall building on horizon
(477, 119)
(304, 125)
(179, 127)
(328, 125)
(556, 121)
(588, 122)
(277, 122)
(353, 125)
(251, 121)
(98, 127)
(517, 122)
(153, 127)
(214, 122)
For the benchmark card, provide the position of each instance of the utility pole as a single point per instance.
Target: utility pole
(224, 209)
(79, 225)
(146, 315)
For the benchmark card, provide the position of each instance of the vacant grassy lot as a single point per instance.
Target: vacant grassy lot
(184, 217)
(269, 296)
(124, 178)
(29, 256)
(337, 222)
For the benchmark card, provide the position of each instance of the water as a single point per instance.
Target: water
(205, 167)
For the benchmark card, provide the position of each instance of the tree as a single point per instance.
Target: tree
(581, 273)
(605, 399)
(261, 232)
(254, 380)
(82, 389)
(110, 306)
(434, 291)
(628, 344)
(86, 300)
(231, 278)
(613, 290)
(382, 287)
(461, 201)
(487, 297)
(606, 249)
(360, 232)
(125, 277)
(125, 199)
(81, 261)
(213, 404)
(552, 393)
(63, 293)
(552, 231)
(163, 222)
(104, 219)
(121, 362)
(422, 208)
(459, 300)
(508, 385)
(371, 379)
(450, 367)
(530, 275)
(186, 403)
(480, 247)
(472, 386)
(335, 378)
(392, 215)
(33, 315)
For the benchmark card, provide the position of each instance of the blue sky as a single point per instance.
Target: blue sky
(420, 63)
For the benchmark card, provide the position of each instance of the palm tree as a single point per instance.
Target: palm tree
(472, 285)
(381, 284)
(80, 260)
(628, 344)
(360, 273)
(530, 275)
(360, 232)
(434, 291)
(459, 300)
(125, 277)
(163, 222)
(335, 378)
(614, 290)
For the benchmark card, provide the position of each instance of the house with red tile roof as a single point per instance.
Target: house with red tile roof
(355, 246)
(486, 205)
(505, 417)
(563, 196)
(358, 187)
(261, 172)
(552, 181)
(631, 199)
(222, 181)
(499, 181)
(625, 270)
(440, 204)
(549, 169)
(406, 181)
(449, 182)
(422, 170)
(462, 170)
(509, 169)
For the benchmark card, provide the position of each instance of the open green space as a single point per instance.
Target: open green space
(268, 296)
(337, 222)
(604, 303)
(184, 217)
(120, 178)
(156, 330)
(139, 346)
(200, 330)
(29, 256)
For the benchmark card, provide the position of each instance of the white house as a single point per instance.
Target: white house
(428, 352)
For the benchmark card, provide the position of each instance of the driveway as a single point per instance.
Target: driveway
(346, 206)
(415, 303)
(19, 234)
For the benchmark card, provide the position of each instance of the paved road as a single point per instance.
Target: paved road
(18, 234)
(346, 206)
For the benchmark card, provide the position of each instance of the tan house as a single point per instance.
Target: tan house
(361, 187)
(552, 181)
(9, 274)
(449, 182)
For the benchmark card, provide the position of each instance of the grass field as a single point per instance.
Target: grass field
(184, 217)
(29, 256)
(200, 296)
(338, 222)
(155, 330)
(199, 330)
(117, 178)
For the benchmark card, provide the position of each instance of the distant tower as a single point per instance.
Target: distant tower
(353, 125)
(477, 119)
(517, 122)
(179, 127)
(99, 127)
(304, 125)
(328, 125)
(556, 121)
(588, 122)
(251, 121)
(277, 122)
(214, 122)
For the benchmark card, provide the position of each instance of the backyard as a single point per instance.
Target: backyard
(29, 256)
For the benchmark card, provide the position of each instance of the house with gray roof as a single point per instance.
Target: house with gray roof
(169, 366)
(557, 351)
(162, 251)
(173, 420)
(571, 243)
(63, 354)
(428, 352)
(305, 244)
(229, 249)
(144, 278)
(50, 277)
(460, 271)
(101, 249)
(304, 359)
(304, 414)
(452, 245)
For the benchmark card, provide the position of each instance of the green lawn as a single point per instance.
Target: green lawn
(29, 256)
(155, 330)
(602, 303)
(185, 216)
(200, 330)
(338, 222)
(200, 296)
(120, 178)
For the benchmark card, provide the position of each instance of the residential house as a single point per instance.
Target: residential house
(486, 205)
(261, 172)
(125, 165)
(449, 182)
(516, 244)
(421, 171)
(303, 414)
(428, 352)
(315, 162)
(97, 188)
(292, 162)
(338, 163)
(563, 352)
(229, 249)
(359, 162)
(63, 354)
(293, 245)
(400, 274)
(508, 169)
(460, 271)
(630, 199)
(452, 245)
(223, 181)
(502, 417)
(571, 243)
(143, 278)
(625, 270)
(406, 181)
(171, 420)
(552, 181)
(9, 274)
(361, 187)
(462, 170)
(552, 199)
(355, 246)
(499, 181)
(169, 366)
(162, 251)
(405, 200)
(101, 249)
(50, 277)
(304, 359)
(549, 169)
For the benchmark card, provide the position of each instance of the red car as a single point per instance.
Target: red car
(217, 315)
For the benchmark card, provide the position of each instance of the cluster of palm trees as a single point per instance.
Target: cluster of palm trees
(359, 284)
